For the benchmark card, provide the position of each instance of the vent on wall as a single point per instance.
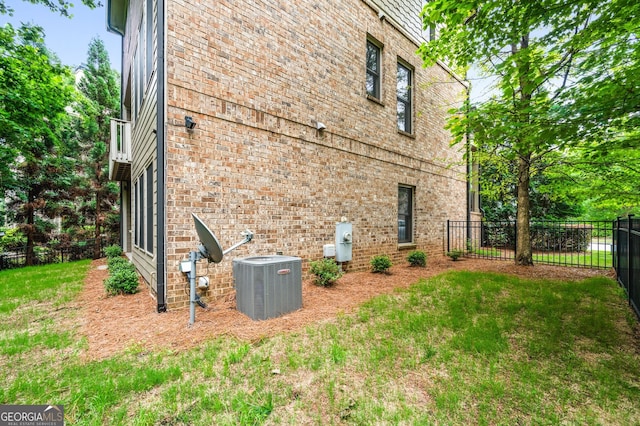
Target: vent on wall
(268, 286)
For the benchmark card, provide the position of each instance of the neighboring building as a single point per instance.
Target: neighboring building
(305, 112)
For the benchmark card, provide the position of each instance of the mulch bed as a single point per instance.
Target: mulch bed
(112, 324)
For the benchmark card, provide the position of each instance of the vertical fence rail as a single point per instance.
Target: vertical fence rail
(587, 244)
(627, 258)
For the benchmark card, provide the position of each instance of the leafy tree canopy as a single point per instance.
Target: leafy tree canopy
(63, 7)
(565, 78)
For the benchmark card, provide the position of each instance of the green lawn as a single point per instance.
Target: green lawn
(596, 258)
(460, 348)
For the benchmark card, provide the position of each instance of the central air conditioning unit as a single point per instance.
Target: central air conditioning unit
(268, 286)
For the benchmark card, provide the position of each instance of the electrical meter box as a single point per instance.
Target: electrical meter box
(344, 241)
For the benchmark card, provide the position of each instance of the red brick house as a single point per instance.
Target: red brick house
(305, 112)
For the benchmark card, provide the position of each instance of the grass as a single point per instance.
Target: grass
(595, 258)
(590, 258)
(459, 348)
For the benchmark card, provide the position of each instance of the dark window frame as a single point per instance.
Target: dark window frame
(149, 210)
(404, 94)
(136, 210)
(405, 215)
(140, 228)
(375, 74)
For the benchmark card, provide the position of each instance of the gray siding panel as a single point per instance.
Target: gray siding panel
(404, 12)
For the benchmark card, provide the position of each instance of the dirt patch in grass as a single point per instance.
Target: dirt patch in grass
(112, 324)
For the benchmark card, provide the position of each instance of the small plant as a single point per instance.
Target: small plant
(417, 258)
(380, 263)
(116, 262)
(122, 279)
(113, 251)
(327, 272)
(454, 254)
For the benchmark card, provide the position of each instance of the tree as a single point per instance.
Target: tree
(100, 102)
(552, 190)
(35, 89)
(545, 55)
(59, 6)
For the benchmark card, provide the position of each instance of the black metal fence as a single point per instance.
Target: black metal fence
(586, 244)
(627, 258)
(44, 255)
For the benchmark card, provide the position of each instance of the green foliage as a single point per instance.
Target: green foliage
(417, 258)
(62, 7)
(117, 262)
(327, 272)
(122, 279)
(380, 263)
(113, 251)
(455, 254)
(13, 239)
(98, 103)
(560, 70)
(36, 168)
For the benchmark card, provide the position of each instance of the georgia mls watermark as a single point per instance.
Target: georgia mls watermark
(31, 415)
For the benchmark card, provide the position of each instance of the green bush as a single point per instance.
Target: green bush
(380, 263)
(417, 258)
(117, 262)
(454, 254)
(327, 272)
(12, 240)
(122, 279)
(113, 251)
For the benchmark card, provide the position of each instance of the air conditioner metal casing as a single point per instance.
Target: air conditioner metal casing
(268, 286)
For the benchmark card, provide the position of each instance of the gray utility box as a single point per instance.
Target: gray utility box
(268, 286)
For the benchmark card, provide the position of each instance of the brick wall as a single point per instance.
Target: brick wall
(256, 77)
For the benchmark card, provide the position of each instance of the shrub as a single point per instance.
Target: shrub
(116, 262)
(454, 254)
(13, 239)
(380, 263)
(326, 271)
(122, 279)
(417, 258)
(113, 251)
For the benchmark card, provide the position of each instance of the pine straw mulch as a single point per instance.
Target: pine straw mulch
(112, 324)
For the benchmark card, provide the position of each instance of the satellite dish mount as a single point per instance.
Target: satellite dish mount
(211, 250)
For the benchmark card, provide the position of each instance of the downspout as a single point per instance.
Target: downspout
(161, 166)
(121, 117)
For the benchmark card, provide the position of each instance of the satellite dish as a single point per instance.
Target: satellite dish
(210, 249)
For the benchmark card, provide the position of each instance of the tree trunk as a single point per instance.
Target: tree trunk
(97, 240)
(523, 215)
(523, 238)
(30, 231)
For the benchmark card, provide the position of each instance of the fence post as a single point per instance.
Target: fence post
(616, 243)
(630, 257)
(448, 236)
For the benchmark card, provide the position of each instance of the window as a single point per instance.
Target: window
(373, 70)
(474, 182)
(143, 208)
(136, 212)
(141, 211)
(405, 214)
(149, 212)
(431, 32)
(142, 61)
(403, 90)
(149, 37)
